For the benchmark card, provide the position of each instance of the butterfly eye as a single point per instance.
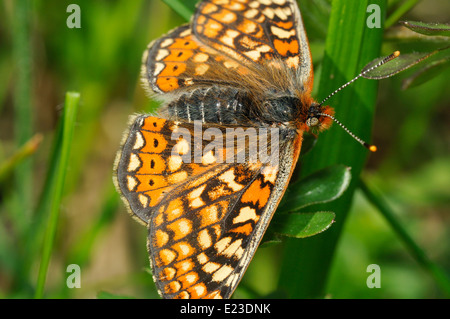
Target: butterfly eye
(312, 121)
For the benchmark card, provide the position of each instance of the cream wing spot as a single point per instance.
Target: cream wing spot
(134, 163)
(182, 147)
(281, 33)
(174, 162)
(200, 57)
(208, 158)
(166, 42)
(158, 68)
(222, 244)
(163, 53)
(143, 200)
(201, 69)
(202, 258)
(245, 214)
(204, 239)
(222, 273)
(270, 173)
(232, 248)
(139, 141)
(131, 183)
(228, 178)
(194, 197)
(210, 267)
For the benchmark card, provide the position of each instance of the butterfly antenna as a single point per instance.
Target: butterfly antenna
(364, 72)
(370, 147)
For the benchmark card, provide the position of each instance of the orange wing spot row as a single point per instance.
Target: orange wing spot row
(156, 195)
(245, 229)
(167, 84)
(285, 48)
(225, 16)
(153, 164)
(287, 25)
(150, 182)
(173, 69)
(179, 55)
(154, 124)
(256, 194)
(154, 142)
(213, 214)
(184, 43)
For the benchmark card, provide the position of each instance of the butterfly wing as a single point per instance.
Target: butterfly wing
(256, 31)
(178, 60)
(228, 37)
(205, 220)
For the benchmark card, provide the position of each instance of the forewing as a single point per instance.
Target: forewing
(256, 31)
(178, 60)
(223, 42)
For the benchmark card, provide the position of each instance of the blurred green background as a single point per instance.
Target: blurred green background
(41, 59)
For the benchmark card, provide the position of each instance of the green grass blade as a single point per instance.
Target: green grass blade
(399, 12)
(350, 45)
(23, 119)
(70, 111)
(438, 274)
(184, 10)
(21, 154)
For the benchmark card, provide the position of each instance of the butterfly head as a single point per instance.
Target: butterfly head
(318, 117)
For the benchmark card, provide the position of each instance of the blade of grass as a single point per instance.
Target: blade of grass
(181, 8)
(438, 274)
(23, 120)
(70, 111)
(33, 238)
(350, 44)
(22, 153)
(399, 12)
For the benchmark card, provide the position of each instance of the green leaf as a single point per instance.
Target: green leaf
(403, 62)
(435, 63)
(428, 72)
(309, 140)
(432, 29)
(301, 225)
(321, 187)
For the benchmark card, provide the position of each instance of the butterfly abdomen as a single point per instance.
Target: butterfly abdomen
(223, 105)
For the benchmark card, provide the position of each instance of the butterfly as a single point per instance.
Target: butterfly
(240, 65)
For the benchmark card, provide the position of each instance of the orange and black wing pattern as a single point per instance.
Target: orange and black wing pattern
(256, 31)
(178, 60)
(223, 42)
(205, 219)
